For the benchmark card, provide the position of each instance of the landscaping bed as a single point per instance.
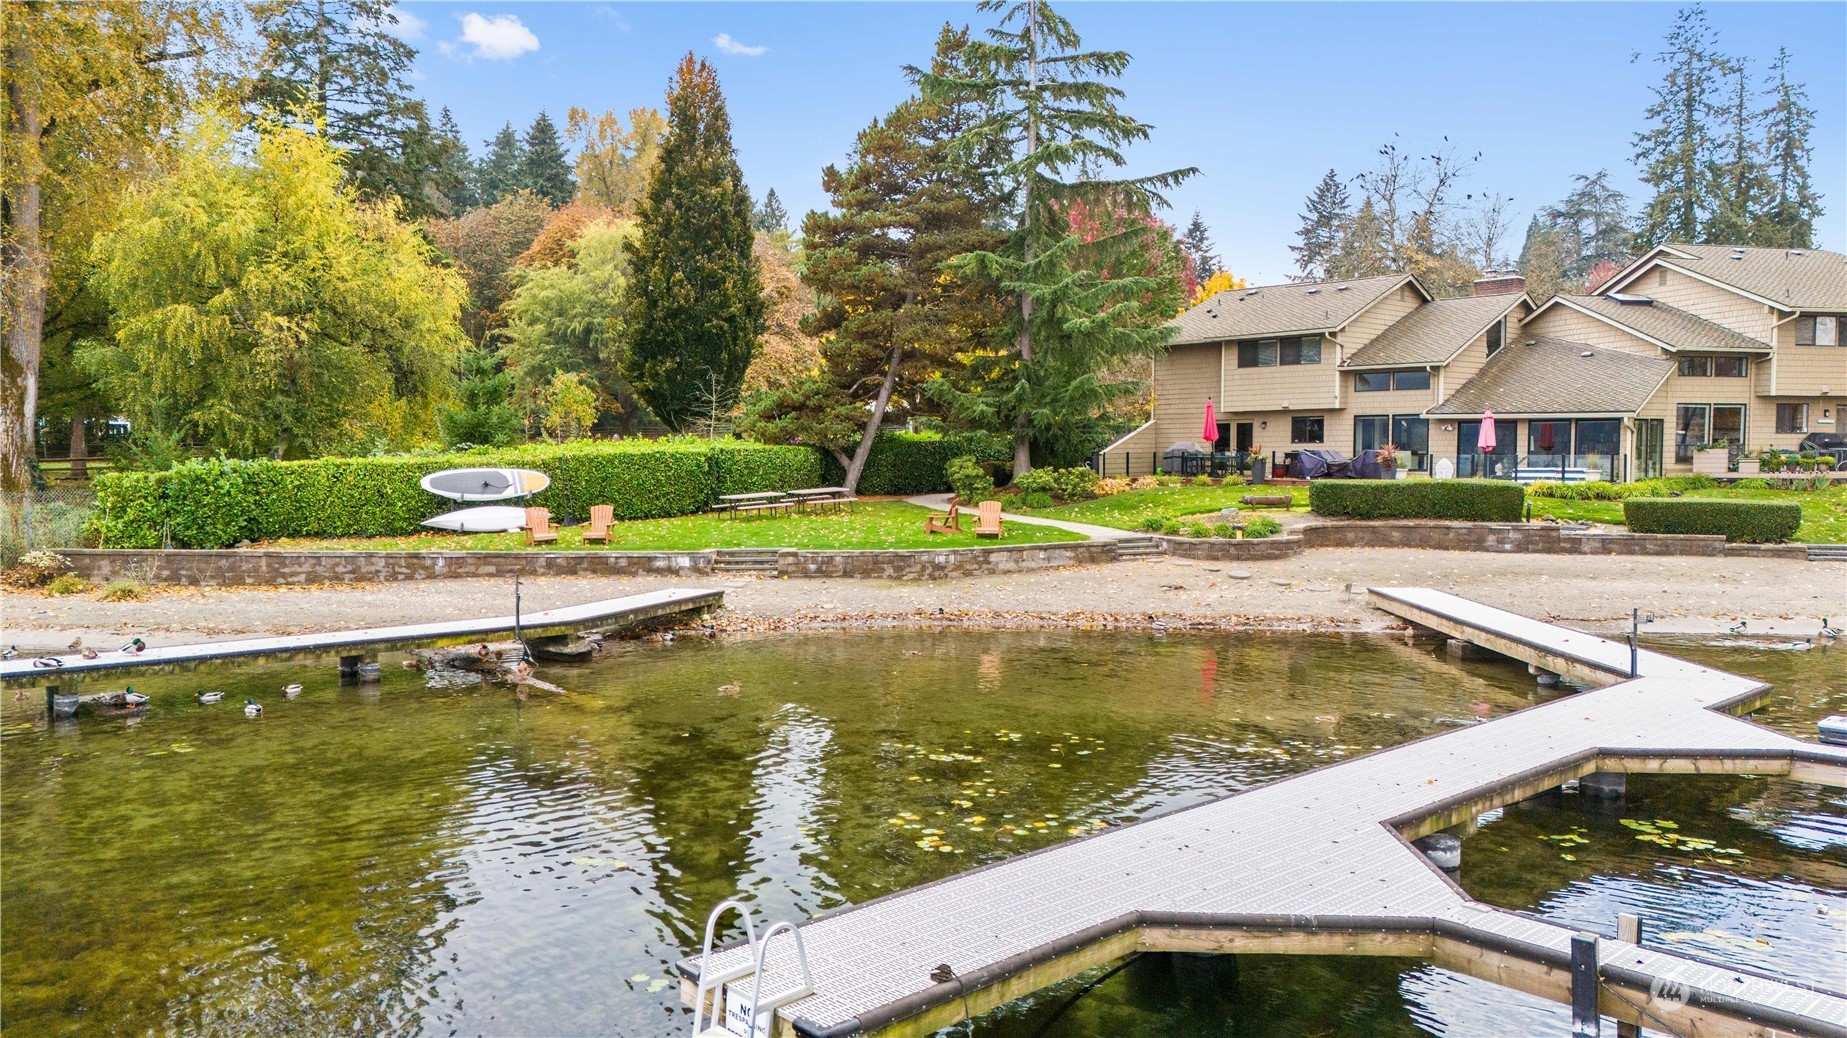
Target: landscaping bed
(1824, 512)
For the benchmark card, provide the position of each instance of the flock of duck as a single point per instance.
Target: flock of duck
(128, 698)
(135, 647)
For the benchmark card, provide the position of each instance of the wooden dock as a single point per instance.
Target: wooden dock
(367, 643)
(1320, 863)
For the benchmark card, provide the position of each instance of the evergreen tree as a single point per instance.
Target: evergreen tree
(1566, 241)
(1364, 249)
(889, 318)
(335, 63)
(1738, 188)
(544, 169)
(696, 304)
(1053, 113)
(501, 170)
(1675, 152)
(771, 216)
(1329, 213)
(1197, 243)
(481, 416)
(454, 172)
(1544, 260)
(1791, 206)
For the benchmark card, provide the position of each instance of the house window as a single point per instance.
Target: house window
(1821, 330)
(1792, 418)
(1729, 367)
(1696, 366)
(1257, 354)
(1411, 380)
(1599, 436)
(1660, 275)
(1497, 332)
(1306, 350)
(1411, 435)
(1696, 425)
(1371, 431)
(1372, 381)
(1307, 430)
(1548, 439)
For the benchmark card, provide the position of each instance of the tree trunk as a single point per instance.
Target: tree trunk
(80, 449)
(1022, 424)
(876, 419)
(22, 257)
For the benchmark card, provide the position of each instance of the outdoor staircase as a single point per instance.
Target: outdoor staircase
(1138, 547)
(1828, 553)
(744, 560)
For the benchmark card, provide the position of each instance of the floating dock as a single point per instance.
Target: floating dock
(1320, 863)
(355, 647)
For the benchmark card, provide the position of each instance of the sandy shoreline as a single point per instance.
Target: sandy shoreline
(1320, 590)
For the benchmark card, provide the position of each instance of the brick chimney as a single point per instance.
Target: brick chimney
(1499, 283)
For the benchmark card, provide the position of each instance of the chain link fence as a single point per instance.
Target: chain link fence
(52, 517)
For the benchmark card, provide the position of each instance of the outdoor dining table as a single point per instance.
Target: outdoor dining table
(739, 503)
(818, 495)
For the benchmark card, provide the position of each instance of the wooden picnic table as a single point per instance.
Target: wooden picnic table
(762, 495)
(822, 496)
(751, 504)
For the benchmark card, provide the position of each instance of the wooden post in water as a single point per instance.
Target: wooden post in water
(1628, 930)
(1584, 1018)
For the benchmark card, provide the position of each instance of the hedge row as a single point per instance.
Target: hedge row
(214, 504)
(1753, 522)
(1478, 500)
(913, 463)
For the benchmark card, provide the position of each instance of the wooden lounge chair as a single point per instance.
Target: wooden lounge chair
(987, 522)
(944, 522)
(538, 526)
(600, 518)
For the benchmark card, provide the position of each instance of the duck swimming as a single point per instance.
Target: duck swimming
(252, 708)
(209, 698)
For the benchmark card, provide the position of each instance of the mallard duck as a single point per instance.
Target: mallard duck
(134, 647)
(1738, 628)
(252, 708)
(731, 689)
(76, 643)
(413, 663)
(291, 691)
(132, 699)
(1828, 630)
(208, 698)
(89, 654)
(48, 662)
(483, 652)
(9, 652)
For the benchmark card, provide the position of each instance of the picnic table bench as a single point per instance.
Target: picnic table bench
(816, 496)
(754, 503)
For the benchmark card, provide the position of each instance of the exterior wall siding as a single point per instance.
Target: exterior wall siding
(1386, 311)
(1293, 387)
(1715, 304)
(1184, 377)
(1809, 370)
(1562, 322)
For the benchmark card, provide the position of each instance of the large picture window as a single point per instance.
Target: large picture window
(1696, 425)
(1546, 440)
(1410, 380)
(1307, 429)
(1372, 381)
(1792, 418)
(1371, 431)
(1268, 353)
(1819, 330)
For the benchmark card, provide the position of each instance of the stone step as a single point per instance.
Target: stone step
(745, 560)
(1136, 547)
(1828, 553)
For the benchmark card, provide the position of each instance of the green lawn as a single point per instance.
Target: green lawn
(1824, 512)
(871, 525)
(1125, 511)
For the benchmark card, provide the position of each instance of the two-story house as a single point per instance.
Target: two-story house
(1687, 345)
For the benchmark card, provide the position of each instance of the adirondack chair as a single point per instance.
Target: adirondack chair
(944, 522)
(600, 518)
(538, 526)
(987, 523)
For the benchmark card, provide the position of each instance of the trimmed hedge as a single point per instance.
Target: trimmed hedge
(1477, 500)
(1753, 522)
(914, 463)
(215, 504)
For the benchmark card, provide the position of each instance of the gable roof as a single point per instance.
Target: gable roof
(1665, 326)
(1548, 376)
(1435, 332)
(1788, 279)
(1302, 308)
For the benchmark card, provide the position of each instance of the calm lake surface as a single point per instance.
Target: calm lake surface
(425, 857)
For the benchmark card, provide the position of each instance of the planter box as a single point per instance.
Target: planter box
(1711, 463)
(1748, 467)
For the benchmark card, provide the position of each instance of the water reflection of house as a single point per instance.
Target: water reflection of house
(1688, 345)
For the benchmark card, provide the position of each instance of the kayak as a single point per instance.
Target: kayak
(485, 484)
(484, 519)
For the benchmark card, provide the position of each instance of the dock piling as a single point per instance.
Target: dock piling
(1629, 931)
(1585, 1020)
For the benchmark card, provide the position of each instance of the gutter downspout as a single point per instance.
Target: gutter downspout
(1774, 325)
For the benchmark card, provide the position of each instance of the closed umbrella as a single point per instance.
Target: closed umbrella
(1211, 432)
(1485, 439)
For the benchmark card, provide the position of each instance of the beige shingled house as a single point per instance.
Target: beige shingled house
(1688, 345)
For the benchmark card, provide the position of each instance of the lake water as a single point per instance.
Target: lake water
(427, 857)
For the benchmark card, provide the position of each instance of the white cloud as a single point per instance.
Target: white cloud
(404, 25)
(610, 15)
(724, 42)
(500, 37)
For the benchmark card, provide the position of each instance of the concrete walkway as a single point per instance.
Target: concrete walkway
(940, 503)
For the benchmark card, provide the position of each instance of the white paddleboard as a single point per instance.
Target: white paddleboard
(485, 519)
(485, 484)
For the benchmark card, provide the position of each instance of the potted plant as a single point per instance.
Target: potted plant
(1806, 461)
(1748, 465)
(1770, 460)
(1791, 462)
(1388, 461)
(1712, 459)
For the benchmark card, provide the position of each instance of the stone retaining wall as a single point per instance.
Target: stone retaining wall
(276, 568)
(927, 564)
(1219, 549)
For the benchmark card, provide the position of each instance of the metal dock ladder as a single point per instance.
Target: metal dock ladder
(731, 1016)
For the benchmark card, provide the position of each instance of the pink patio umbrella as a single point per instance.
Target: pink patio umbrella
(1211, 432)
(1484, 440)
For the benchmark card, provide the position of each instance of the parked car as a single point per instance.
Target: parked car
(1832, 445)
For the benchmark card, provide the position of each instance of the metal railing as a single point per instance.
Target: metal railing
(1554, 468)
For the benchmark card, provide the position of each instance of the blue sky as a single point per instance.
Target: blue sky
(1263, 98)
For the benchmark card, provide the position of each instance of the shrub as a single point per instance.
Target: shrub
(1144, 482)
(1162, 479)
(1170, 526)
(1223, 530)
(914, 463)
(1072, 484)
(122, 591)
(1202, 480)
(1752, 522)
(1752, 483)
(1106, 487)
(68, 584)
(1262, 526)
(1154, 524)
(1037, 481)
(968, 479)
(1480, 500)
(1036, 499)
(739, 467)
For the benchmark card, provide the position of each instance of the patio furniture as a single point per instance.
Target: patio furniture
(738, 504)
(601, 516)
(813, 497)
(539, 529)
(944, 522)
(987, 519)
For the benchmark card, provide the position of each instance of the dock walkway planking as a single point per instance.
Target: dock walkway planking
(1319, 863)
(592, 616)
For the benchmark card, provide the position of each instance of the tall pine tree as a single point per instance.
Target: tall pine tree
(1791, 206)
(1323, 225)
(771, 216)
(544, 169)
(1738, 188)
(1053, 113)
(696, 307)
(454, 179)
(502, 169)
(1676, 150)
(1197, 242)
(335, 64)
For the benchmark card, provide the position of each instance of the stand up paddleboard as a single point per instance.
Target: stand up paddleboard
(485, 484)
(485, 519)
